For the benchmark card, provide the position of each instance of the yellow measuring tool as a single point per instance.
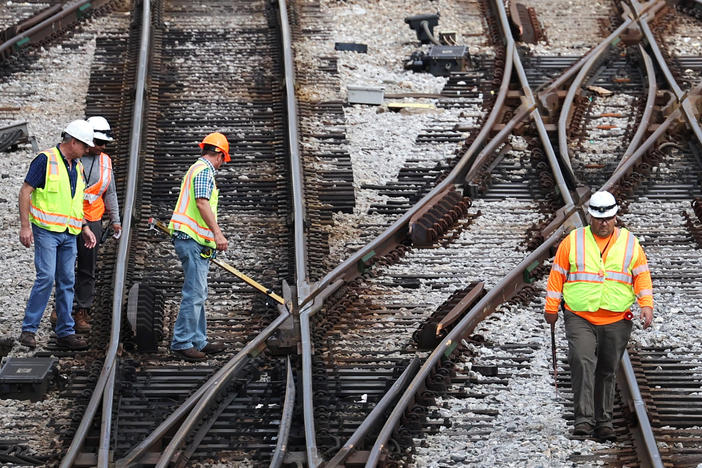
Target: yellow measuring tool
(153, 223)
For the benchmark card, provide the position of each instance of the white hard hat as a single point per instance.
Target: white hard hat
(80, 130)
(101, 127)
(602, 205)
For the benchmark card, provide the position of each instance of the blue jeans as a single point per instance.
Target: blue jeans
(54, 261)
(191, 326)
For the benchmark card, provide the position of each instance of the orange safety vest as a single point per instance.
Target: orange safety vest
(93, 203)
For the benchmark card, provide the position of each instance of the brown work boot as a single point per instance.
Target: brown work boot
(27, 339)
(213, 348)
(72, 342)
(81, 319)
(190, 354)
(53, 318)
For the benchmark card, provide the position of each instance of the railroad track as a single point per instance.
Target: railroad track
(389, 291)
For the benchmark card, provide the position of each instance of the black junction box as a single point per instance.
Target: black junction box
(442, 60)
(26, 378)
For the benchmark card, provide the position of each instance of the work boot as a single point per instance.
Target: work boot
(605, 433)
(72, 342)
(27, 339)
(582, 429)
(81, 321)
(53, 318)
(190, 354)
(213, 348)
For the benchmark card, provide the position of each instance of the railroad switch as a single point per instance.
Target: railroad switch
(27, 378)
(286, 338)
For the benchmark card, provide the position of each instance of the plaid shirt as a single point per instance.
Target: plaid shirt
(203, 184)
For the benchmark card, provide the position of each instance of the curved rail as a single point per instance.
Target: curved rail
(686, 105)
(102, 390)
(449, 343)
(285, 420)
(57, 22)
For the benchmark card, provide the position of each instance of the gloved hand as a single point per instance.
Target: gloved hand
(551, 318)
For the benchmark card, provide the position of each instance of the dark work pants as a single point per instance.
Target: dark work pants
(594, 352)
(85, 272)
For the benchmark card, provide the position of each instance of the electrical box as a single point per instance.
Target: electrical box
(443, 60)
(365, 95)
(27, 378)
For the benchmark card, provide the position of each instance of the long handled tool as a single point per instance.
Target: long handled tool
(153, 224)
(553, 356)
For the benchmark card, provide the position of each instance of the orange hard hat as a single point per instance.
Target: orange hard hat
(219, 141)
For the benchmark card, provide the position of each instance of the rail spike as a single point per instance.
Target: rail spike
(437, 217)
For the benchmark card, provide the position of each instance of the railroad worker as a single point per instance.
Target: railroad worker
(195, 234)
(51, 217)
(100, 193)
(598, 271)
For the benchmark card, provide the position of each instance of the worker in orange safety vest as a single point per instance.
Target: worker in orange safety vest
(598, 272)
(100, 193)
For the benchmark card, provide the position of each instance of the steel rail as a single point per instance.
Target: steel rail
(384, 242)
(627, 380)
(679, 94)
(374, 416)
(536, 115)
(312, 301)
(449, 343)
(648, 110)
(121, 264)
(628, 165)
(296, 169)
(281, 447)
(307, 389)
(567, 105)
(185, 408)
(313, 458)
(576, 84)
(51, 25)
(194, 419)
(452, 339)
(203, 397)
(649, 9)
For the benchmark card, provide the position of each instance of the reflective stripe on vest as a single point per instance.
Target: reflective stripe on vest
(593, 283)
(94, 205)
(186, 216)
(52, 207)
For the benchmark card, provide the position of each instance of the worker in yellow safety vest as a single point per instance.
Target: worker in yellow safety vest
(51, 217)
(196, 235)
(598, 272)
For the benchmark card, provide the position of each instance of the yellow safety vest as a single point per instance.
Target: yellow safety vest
(186, 217)
(593, 284)
(52, 207)
(94, 205)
